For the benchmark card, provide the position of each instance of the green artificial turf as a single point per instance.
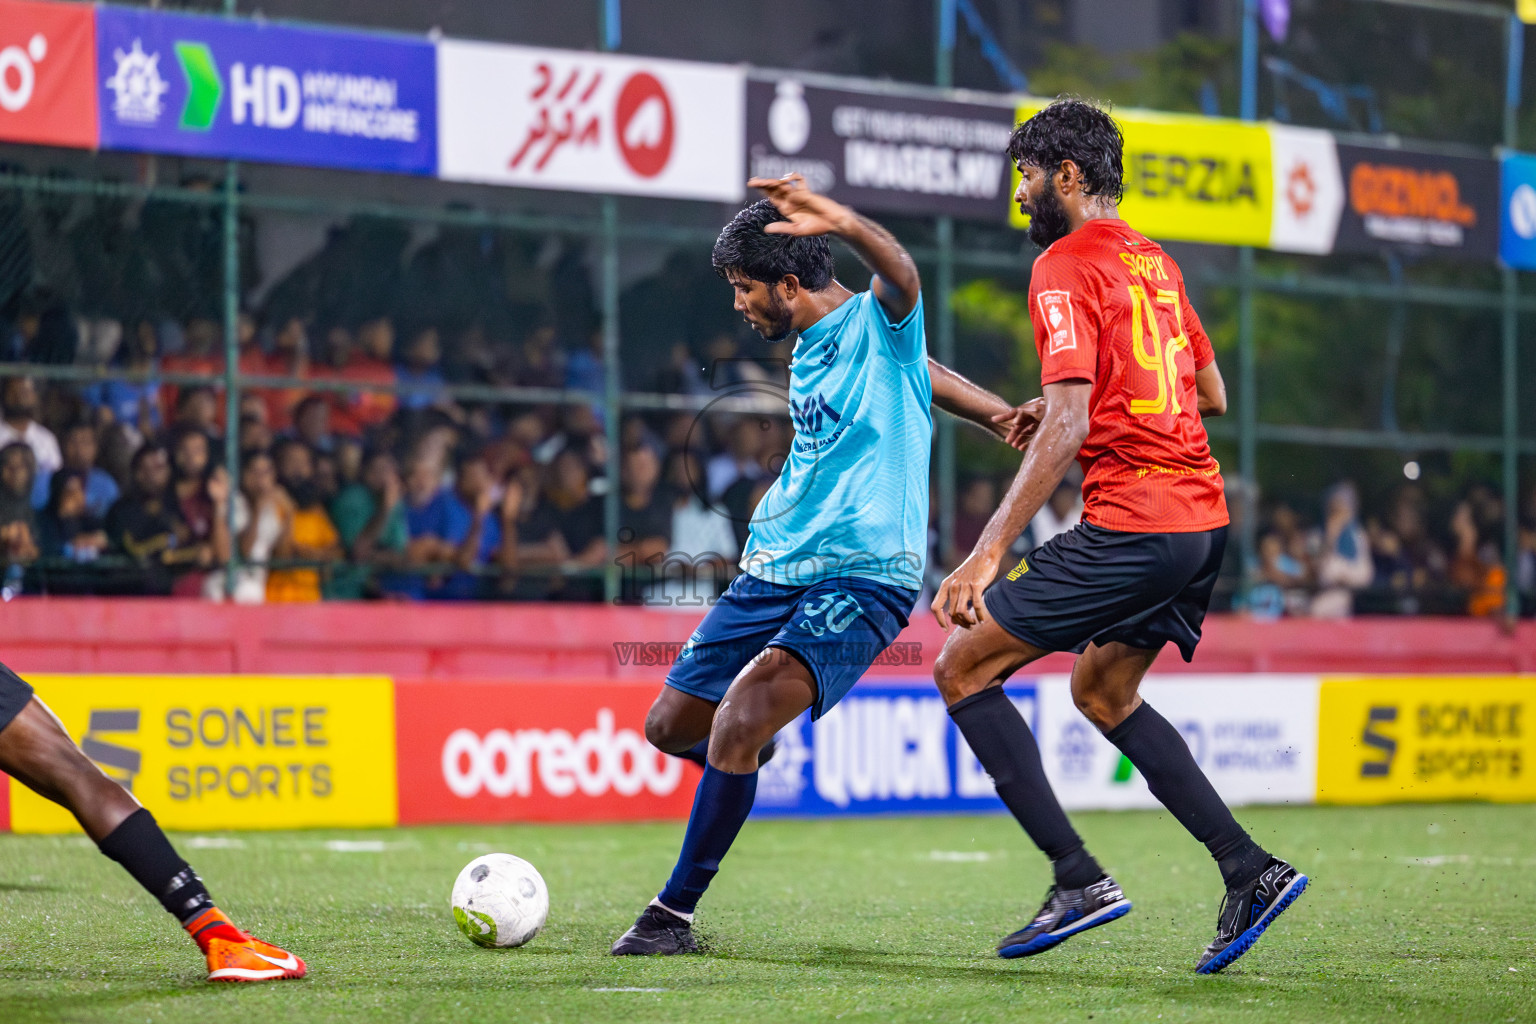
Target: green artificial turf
(1415, 913)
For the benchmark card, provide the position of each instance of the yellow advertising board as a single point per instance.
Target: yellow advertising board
(230, 752)
(1385, 740)
(1190, 179)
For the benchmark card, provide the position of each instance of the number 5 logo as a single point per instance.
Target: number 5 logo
(1380, 768)
(836, 609)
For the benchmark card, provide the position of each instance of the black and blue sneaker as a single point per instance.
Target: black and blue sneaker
(1065, 913)
(1247, 910)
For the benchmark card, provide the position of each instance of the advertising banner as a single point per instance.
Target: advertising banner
(229, 752)
(1424, 201)
(1517, 226)
(1422, 738)
(171, 83)
(1309, 190)
(590, 122)
(562, 750)
(888, 747)
(1191, 179)
(882, 152)
(1254, 736)
(47, 73)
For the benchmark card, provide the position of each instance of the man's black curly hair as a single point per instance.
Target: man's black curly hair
(1077, 130)
(744, 246)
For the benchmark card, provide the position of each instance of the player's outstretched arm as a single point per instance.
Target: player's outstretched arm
(1061, 435)
(897, 284)
(967, 400)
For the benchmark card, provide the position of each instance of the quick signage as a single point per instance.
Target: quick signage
(896, 154)
(169, 83)
(1421, 201)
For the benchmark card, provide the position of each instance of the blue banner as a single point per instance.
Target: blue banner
(196, 86)
(1517, 221)
(888, 747)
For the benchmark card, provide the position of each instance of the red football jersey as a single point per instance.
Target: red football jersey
(1109, 307)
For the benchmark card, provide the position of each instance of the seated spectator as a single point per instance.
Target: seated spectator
(312, 424)
(79, 451)
(702, 541)
(255, 435)
(133, 403)
(327, 478)
(263, 520)
(203, 355)
(372, 363)
(1341, 554)
(289, 358)
(18, 396)
(311, 538)
(565, 530)
(201, 492)
(436, 523)
(18, 522)
(144, 525)
(744, 442)
(645, 506)
(1526, 561)
(1476, 568)
(67, 528)
(419, 374)
(491, 541)
(1281, 580)
(370, 522)
(198, 409)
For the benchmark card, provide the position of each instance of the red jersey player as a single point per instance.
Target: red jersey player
(1127, 373)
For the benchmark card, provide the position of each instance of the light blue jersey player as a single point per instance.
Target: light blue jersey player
(835, 558)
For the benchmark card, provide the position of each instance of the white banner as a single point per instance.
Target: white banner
(590, 122)
(1255, 737)
(1309, 189)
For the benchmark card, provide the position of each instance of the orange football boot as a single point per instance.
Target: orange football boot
(234, 955)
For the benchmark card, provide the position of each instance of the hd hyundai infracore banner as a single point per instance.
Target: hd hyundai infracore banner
(214, 87)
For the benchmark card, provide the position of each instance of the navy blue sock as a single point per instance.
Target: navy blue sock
(720, 807)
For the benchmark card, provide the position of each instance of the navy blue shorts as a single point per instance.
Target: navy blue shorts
(836, 626)
(1092, 585)
(15, 692)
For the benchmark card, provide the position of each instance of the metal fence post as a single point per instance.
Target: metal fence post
(232, 362)
(944, 347)
(1247, 377)
(1515, 57)
(611, 385)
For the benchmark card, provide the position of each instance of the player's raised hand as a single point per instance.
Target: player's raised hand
(1021, 422)
(807, 212)
(959, 599)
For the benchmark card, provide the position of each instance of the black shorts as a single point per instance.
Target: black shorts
(1092, 585)
(15, 692)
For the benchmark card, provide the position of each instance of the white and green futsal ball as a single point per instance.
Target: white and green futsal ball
(500, 901)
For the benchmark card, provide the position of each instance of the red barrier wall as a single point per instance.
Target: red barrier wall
(533, 640)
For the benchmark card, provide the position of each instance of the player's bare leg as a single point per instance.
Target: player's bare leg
(768, 694)
(35, 750)
(1105, 686)
(679, 723)
(970, 671)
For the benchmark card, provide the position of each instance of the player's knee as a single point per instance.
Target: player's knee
(955, 677)
(1098, 707)
(737, 737)
(664, 733)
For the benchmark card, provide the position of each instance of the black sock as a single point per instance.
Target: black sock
(698, 753)
(1159, 752)
(139, 845)
(1002, 742)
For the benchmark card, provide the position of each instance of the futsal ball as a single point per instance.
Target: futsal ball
(500, 901)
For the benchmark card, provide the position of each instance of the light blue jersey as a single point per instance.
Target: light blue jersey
(852, 498)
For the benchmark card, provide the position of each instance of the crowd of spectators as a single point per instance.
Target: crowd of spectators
(362, 476)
